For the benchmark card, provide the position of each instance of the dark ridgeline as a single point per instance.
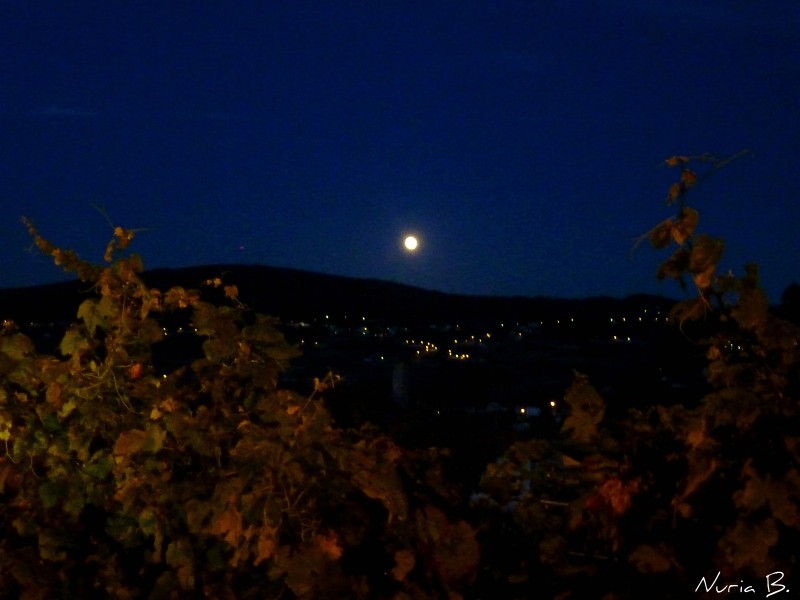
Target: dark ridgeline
(375, 333)
(292, 294)
(536, 345)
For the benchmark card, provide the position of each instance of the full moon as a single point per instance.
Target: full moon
(411, 243)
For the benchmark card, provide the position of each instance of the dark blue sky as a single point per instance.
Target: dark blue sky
(520, 140)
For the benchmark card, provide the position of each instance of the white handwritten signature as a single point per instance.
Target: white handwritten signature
(772, 584)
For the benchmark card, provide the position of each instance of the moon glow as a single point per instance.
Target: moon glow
(410, 243)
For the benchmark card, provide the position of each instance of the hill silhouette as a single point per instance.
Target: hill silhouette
(301, 295)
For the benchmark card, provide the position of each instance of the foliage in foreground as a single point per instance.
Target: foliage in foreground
(674, 493)
(208, 480)
(202, 481)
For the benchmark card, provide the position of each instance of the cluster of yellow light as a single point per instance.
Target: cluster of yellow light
(640, 319)
(455, 356)
(473, 340)
(424, 347)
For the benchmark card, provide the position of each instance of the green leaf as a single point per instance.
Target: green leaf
(587, 408)
(96, 314)
(150, 332)
(154, 440)
(50, 492)
(74, 342)
(181, 557)
(17, 346)
(101, 465)
(75, 500)
(67, 408)
(219, 349)
(51, 546)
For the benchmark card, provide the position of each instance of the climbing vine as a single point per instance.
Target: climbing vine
(655, 501)
(122, 479)
(125, 475)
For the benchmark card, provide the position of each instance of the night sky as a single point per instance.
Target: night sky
(521, 141)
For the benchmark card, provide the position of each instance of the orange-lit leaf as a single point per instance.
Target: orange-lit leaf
(688, 178)
(748, 544)
(265, 544)
(617, 495)
(228, 525)
(705, 279)
(404, 562)
(135, 371)
(329, 544)
(181, 557)
(673, 193)
(651, 559)
(674, 161)
(683, 229)
(129, 442)
(706, 253)
(660, 235)
(587, 408)
(232, 292)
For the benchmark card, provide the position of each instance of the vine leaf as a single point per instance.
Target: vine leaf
(780, 495)
(96, 314)
(455, 552)
(661, 234)
(74, 342)
(587, 408)
(228, 524)
(329, 544)
(17, 346)
(181, 557)
(688, 178)
(404, 563)
(674, 161)
(266, 544)
(705, 254)
(650, 559)
(684, 228)
(747, 545)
